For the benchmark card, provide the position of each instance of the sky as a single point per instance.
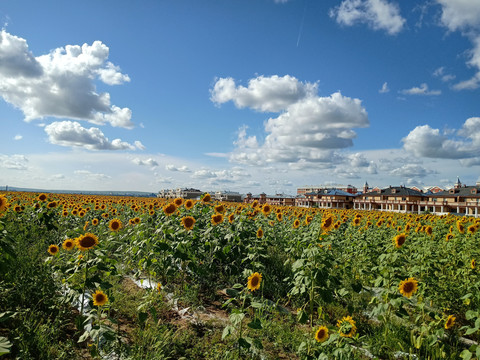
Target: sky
(239, 95)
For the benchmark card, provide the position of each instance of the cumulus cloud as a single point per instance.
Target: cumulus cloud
(172, 167)
(18, 137)
(139, 145)
(410, 171)
(425, 141)
(266, 94)
(421, 90)
(71, 133)
(61, 83)
(14, 162)
(148, 162)
(377, 14)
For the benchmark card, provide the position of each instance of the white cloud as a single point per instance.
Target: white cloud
(13, 162)
(460, 14)
(171, 167)
(70, 133)
(377, 14)
(440, 73)
(61, 83)
(384, 88)
(18, 137)
(148, 162)
(421, 90)
(427, 142)
(266, 94)
(410, 170)
(139, 145)
(88, 175)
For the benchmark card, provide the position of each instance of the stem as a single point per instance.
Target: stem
(84, 284)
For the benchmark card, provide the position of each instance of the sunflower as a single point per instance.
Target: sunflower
(99, 298)
(321, 334)
(169, 209)
(472, 229)
(279, 217)
(219, 209)
(3, 203)
(136, 220)
(206, 198)
(42, 197)
(53, 249)
(450, 321)
(188, 222)
(217, 219)
(52, 204)
(68, 244)
(188, 204)
(460, 227)
(87, 241)
(296, 223)
(428, 230)
(408, 287)
(327, 224)
(95, 222)
(260, 233)
(399, 240)
(159, 287)
(151, 212)
(347, 327)
(254, 281)
(115, 225)
(448, 237)
(17, 208)
(231, 218)
(473, 263)
(178, 202)
(266, 209)
(356, 221)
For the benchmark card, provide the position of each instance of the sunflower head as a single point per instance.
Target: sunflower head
(449, 237)
(254, 281)
(188, 222)
(95, 222)
(472, 229)
(296, 223)
(87, 241)
(266, 209)
(279, 216)
(115, 225)
(68, 244)
(408, 287)
(399, 240)
(460, 227)
(52, 204)
(346, 327)
(231, 218)
(217, 219)
(42, 197)
(99, 298)
(53, 249)
(178, 202)
(327, 223)
(188, 204)
(260, 233)
(3, 203)
(220, 209)
(159, 287)
(428, 230)
(136, 220)
(450, 321)
(321, 334)
(473, 263)
(206, 198)
(169, 209)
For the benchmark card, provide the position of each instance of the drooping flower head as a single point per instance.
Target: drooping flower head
(346, 327)
(450, 321)
(399, 240)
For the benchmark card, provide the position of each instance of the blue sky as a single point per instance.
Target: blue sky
(252, 95)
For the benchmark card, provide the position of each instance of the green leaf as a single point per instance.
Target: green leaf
(242, 342)
(227, 331)
(236, 318)
(302, 317)
(466, 355)
(470, 314)
(142, 317)
(5, 346)
(255, 324)
(232, 292)
(256, 305)
(471, 331)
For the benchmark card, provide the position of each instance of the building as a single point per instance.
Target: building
(397, 199)
(228, 196)
(184, 193)
(309, 189)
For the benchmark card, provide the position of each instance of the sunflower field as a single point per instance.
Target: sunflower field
(98, 277)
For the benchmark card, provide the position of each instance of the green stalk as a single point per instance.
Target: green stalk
(84, 284)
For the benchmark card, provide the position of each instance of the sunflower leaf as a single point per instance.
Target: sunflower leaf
(5, 346)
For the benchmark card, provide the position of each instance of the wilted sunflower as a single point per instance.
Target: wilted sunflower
(206, 198)
(448, 237)
(188, 204)
(87, 241)
(99, 298)
(346, 327)
(450, 321)
(188, 222)
(473, 263)
(169, 209)
(321, 334)
(254, 281)
(260, 233)
(53, 249)
(399, 240)
(217, 219)
(3, 203)
(42, 197)
(115, 225)
(408, 287)
(68, 244)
